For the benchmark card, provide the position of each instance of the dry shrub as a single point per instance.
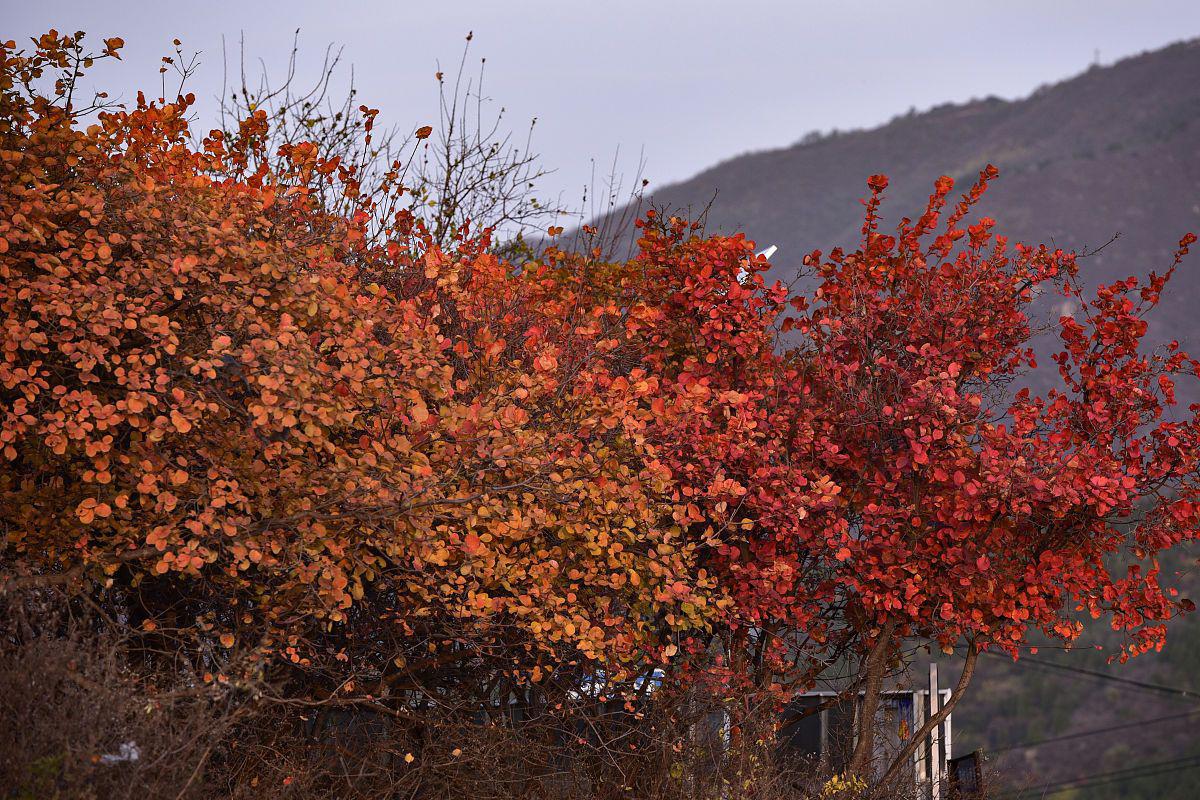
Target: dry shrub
(76, 687)
(80, 721)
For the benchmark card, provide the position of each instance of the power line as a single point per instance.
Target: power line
(1145, 685)
(1092, 732)
(1122, 779)
(1043, 792)
(1115, 776)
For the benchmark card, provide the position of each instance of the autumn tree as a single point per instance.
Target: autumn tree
(229, 411)
(966, 508)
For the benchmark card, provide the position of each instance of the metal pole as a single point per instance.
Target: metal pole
(935, 756)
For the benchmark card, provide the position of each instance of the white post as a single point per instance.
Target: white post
(947, 738)
(935, 756)
(920, 756)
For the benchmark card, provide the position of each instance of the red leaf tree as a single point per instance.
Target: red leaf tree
(868, 462)
(962, 506)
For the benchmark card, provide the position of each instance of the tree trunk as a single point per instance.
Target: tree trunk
(872, 673)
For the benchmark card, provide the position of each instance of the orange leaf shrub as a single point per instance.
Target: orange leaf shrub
(235, 406)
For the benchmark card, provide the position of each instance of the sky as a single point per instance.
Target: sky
(664, 88)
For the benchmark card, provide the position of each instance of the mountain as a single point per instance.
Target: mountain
(1113, 150)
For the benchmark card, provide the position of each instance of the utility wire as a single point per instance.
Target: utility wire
(1092, 732)
(1104, 778)
(1145, 685)
(1121, 779)
(1115, 776)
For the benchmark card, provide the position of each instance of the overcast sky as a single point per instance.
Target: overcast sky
(684, 84)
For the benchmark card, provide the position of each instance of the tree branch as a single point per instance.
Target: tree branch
(963, 680)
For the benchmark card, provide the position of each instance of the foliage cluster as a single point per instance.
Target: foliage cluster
(320, 453)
